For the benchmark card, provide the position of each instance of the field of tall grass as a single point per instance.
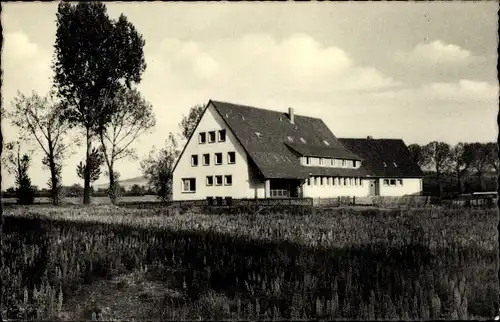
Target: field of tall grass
(333, 264)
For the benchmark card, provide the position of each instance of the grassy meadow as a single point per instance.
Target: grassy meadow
(107, 262)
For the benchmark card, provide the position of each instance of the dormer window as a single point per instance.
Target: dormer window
(326, 142)
(290, 138)
(258, 135)
(302, 140)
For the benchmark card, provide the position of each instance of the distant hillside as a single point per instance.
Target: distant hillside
(126, 183)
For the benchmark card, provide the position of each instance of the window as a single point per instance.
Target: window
(218, 180)
(385, 165)
(320, 161)
(386, 182)
(322, 181)
(210, 180)
(354, 163)
(345, 182)
(343, 163)
(231, 157)
(302, 140)
(393, 182)
(218, 158)
(400, 182)
(334, 181)
(258, 135)
(326, 142)
(340, 181)
(211, 137)
(332, 162)
(228, 180)
(194, 160)
(189, 185)
(308, 160)
(222, 136)
(202, 138)
(290, 138)
(395, 165)
(206, 159)
(308, 181)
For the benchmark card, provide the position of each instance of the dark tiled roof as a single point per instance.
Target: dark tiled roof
(376, 152)
(323, 151)
(263, 134)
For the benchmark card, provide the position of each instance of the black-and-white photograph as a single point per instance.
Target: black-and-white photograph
(245, 161)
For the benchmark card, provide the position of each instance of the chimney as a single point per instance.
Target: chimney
(369, 137)
(290, 115)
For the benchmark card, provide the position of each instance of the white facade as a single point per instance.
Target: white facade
(228, 172)
(327, 187)
(401, 187)
(242, 185)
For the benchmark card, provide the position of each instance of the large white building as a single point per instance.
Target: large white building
(246, 152)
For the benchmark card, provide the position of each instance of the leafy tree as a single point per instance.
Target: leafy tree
(95, 161)
(158, 168)
(75, 190)
(40, 118)
(492, 153)
(137, 190)
(482, 156)
(437, 156)
(417, 154)
(461, 160)
(94, 57)
(17, 164)
(189, 122)
(132, 116)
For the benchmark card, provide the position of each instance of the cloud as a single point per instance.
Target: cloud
(434, 53)
(463, 90)
(266, 64)
(26, 65)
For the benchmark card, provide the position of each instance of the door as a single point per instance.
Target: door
(373, 187)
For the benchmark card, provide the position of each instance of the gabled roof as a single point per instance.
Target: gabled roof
(264, 134)
(384, 157)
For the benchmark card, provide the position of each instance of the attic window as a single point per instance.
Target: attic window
(290, 138)
(395, 165)
(302, 140)
(326, 142)
(258, 135)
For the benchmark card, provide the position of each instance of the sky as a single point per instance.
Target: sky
(417, 71)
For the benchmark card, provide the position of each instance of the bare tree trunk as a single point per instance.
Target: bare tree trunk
(86, 187)
(54, 179)
(112, 185)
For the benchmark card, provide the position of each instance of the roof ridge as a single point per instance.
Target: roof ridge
(260, 108)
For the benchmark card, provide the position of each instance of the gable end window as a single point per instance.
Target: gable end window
(218, 158)
(202, 138)
(222, 136)
(194, 160)
(211, 137)
(206, 159)
(231, 157)
(189, 185)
